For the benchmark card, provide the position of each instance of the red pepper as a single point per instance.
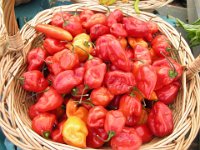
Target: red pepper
(161, 45)
(56, 135)
(135, 27)
(126, 140)
(43, 124)
(36, 59)
(117, 56)
(54, 32)
(130, 105)
(114, 122)
(118, 30)
(153, 27)
(63, 60)
(94, 76)
(96, 117)
(60, 112)
(85, 15)
(101, 96)
(114, 17)
(58, 18)
(146, 79)
(33, 81)
(92, 62)
(73, 25)
(144, 132)
(53, 46)
(119, 82)
(160, 120)
(142, 54)
(168, 93)
(96, 137)
(65, 81)
(97, 18)
(79, 91)
(102, 46)
(98, 30)
(49, 100)
(33, 112)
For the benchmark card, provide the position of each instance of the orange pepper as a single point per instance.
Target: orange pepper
(137, 41)
(74, 132)
(123, 42)
(143, 117)
(72, 109)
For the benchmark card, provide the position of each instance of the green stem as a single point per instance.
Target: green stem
(110, 135)
(136, 6)
(46, 134)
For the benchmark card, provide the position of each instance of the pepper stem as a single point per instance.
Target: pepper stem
(85, 88)
(110, 135)
(137, 10)
(46, 134)
(89, 55)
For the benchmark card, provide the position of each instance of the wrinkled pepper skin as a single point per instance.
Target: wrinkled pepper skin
(144, 132)
(127, 139)
(43, 124)
(118, 30)
(92, 63)
(160, 120)
(85, 15)
(59, 18)
(101, 96)
(36, 58)
(114, 121)
(33, 81)
(76, 127)
(119, 82)
(93, 140)
(137, 41)
(114, 17)
(49, 100)
(98, 30)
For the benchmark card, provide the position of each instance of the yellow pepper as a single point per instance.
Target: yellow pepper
(72, 109)
(74, 132)
(137, 41)
(107, 2)
(82, 46)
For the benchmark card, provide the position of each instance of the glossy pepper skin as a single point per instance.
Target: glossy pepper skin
(36, 58)
(160, 120)
(57, 134)
(93, 140)
(59, 18)
(33, 81)
(144, 132)
(85, 15)
(135, 27)
(127, 139)
(94, 76)
(146, 79)
(98, 30)
(92, 63)
(53, 46)
(168, 93)
(101, 96)
(114, 122)
(65, 81)
(49, 100)
(96, 117)
(114, 17)
(43, 124)
(119, 82)
(72, 109)
(118, 30)
(76, 127)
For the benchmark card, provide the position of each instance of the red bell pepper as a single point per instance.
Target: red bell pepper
(160, 120)
(56, 135)
(43, 124)
(49, 100)
(144, 132)
(33, 81)
(114, 17)
(119, 82)
(146, 79)
(94, 76)
(36, 59)
(59, 18)
(101, 96)
(96, 137)
(96, 117)
(127, 139)
(65, 81)
(53, 46)
(118, 30)
(114, 122)
(98, 30)
(168, 93)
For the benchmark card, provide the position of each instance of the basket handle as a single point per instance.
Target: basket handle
(14, 37)
(193, 68)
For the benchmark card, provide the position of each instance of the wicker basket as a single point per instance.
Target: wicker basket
(143, 4)
(15, 122)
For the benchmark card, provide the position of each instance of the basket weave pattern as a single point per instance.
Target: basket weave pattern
(15, 122)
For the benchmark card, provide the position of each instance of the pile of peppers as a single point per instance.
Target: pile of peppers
(101, 80)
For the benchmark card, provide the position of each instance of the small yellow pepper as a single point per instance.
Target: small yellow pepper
(74, 132)
(82, 46)
(137, 41)
(72, 109)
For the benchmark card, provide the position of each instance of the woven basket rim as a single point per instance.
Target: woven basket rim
(16, 126)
